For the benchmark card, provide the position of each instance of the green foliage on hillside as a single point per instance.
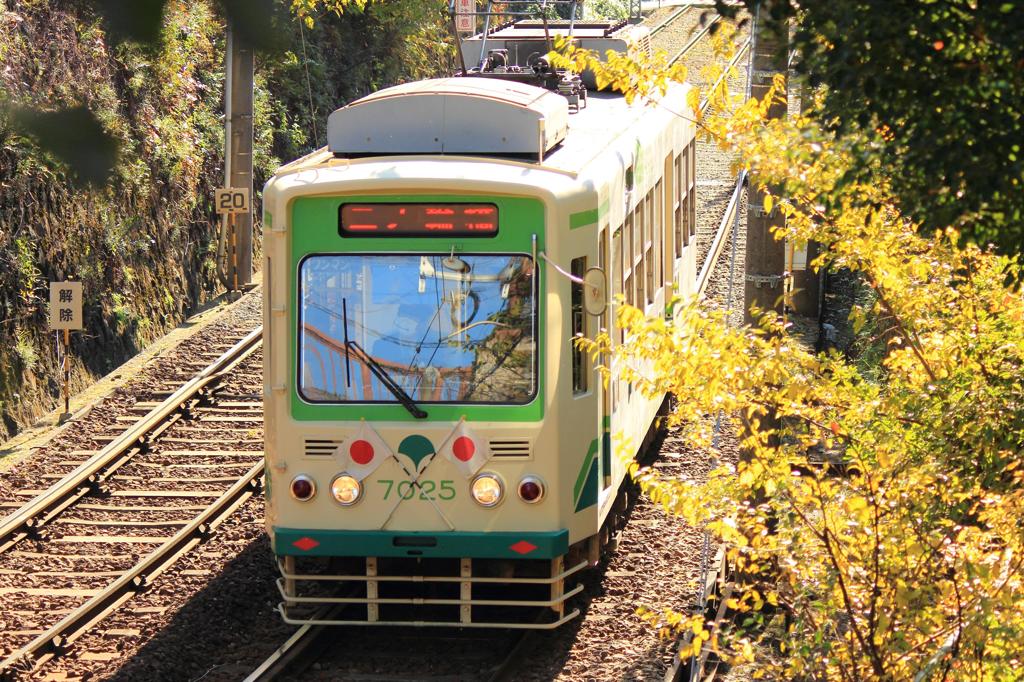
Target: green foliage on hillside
(606, 9)
(933, 91)
(111, 144)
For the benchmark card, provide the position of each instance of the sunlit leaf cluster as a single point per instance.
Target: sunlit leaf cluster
(309, 10)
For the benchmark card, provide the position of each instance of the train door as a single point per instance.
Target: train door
(605, 393)
(670, 250)
(580, 400)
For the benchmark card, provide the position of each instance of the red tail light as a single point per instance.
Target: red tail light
(531, 489)
(303, 488)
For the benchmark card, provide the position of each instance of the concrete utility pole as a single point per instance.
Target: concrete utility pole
(766, 257)
(806, 298)
(807, 293)
(238, 107)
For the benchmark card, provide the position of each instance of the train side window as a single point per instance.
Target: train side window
(638, 255)
(641, 229)
(659, 230)
(578, 266)
(649, 236)
(684, 196)
(688, 209)
(686, 217)
(627, 250)
(602, 262)
(618, 260)
(692, 176)
(677, 195)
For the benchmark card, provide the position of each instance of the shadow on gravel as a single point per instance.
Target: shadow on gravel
(552, 652)
(223, 632)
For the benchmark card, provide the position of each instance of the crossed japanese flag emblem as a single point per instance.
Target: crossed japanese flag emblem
(465, 450)
(360, 455)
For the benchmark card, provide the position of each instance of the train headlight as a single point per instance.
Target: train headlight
(531, 489)
(303, 488)
(346, 489)
(487, 490)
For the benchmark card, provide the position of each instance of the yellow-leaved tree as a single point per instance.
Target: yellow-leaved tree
(874, 522)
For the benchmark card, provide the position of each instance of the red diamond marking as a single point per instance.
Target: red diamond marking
(523, 547)
(306, 544)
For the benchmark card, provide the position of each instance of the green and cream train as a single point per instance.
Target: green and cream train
(438, 451)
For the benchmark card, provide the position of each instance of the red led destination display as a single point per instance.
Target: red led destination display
(418, 220)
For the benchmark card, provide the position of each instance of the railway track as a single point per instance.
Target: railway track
(104, 531)
(671, 19)
(706, 666)
(464, 650)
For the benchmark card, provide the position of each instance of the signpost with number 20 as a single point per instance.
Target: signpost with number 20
(231, 200)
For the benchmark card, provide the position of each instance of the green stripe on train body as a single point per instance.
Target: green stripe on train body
(583, 218)
(591, 217)
(445, 544)
(584, 493)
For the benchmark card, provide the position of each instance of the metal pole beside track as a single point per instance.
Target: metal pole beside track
(238, 147)
(67, 374)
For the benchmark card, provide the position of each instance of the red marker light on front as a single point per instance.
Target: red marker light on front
(531, 489)
(303, 488)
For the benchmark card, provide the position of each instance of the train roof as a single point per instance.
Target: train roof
(451, 116)
(587, 134)
(605, 119)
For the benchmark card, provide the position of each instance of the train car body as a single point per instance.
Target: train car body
(420, 249)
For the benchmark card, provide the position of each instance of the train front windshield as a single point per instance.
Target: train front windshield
(445, 328)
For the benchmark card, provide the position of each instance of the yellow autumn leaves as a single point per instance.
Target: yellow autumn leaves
(873, 522)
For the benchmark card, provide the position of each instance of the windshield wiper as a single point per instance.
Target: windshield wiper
(389, 383)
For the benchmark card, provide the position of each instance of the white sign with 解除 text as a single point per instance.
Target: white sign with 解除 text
(65, 305)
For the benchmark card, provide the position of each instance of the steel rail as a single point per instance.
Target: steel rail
(718, 243)
(294, 648)
(285, 657)
(98, 468)
(683, 10)
(506, 670)
(60, 636)
(693, 41)
(714, 580)
(740, 53)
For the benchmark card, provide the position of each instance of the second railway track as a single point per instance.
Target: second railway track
(104, 531)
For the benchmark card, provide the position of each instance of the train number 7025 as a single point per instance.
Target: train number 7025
(427, 489)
